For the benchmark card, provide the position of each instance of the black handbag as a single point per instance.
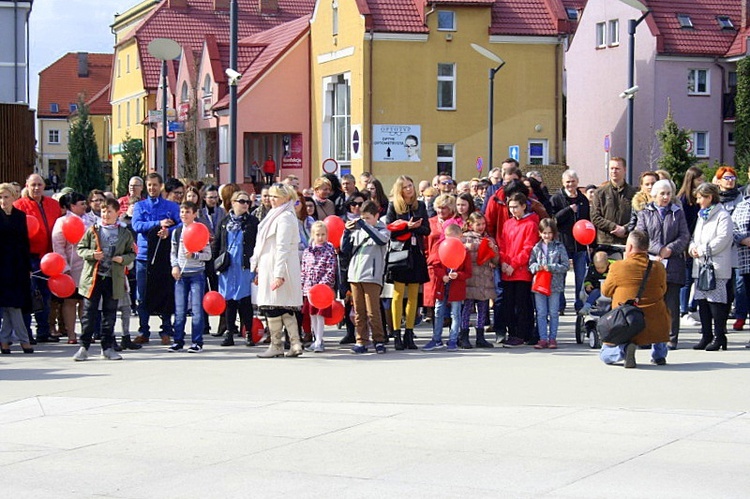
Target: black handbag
(622, 323)
(37, 300)
(706, 273)
(222, 262)
(398, 255)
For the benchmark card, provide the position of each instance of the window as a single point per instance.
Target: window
(224, 144)
(725, 22)
(685, 21)
(446, 86)
(207, 90)
(334, 18)
(127, 63)
(572, 14)
(698, 82)
(340, 120)
(538, 152)
(127, 113)
(601, 35)
(54, 108)
(137, 111)
(700, 144)
(137, 66)
(732, 81)
(730, 137)
(614, 32)
(184, 92)
(446, 20)
(73, 108)
(53, 136)
(446, 159)
(118, 67)
(119, 115)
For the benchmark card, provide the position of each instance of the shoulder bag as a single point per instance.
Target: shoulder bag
(622, 323)
(707, 273)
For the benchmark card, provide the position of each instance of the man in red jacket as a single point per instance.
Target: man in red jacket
(46, 210)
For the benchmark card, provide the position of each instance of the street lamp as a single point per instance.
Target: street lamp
(500, 63)
(233, 92)
(164, 49)
(632, 26)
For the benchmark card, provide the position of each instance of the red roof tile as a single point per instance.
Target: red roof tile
(396, 16)
(739, 47)
(189, 26)
(99, 104)
(60, 84)
(706, 37)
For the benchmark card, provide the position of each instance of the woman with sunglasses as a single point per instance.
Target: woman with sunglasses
(353, 206)
(236, 236)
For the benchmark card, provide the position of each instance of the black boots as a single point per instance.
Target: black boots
(397, 343)
(463, 340)
(348, 339)
(228, 339)
(481, 342)
(703, 343)
(127, 344)
(719, 342)
(409, 339)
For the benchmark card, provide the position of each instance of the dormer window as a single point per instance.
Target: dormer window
(572, 14)
(446, 20)
(184, 93)
(73, 108)
(54, 108)
(725, 22)
(685, 21)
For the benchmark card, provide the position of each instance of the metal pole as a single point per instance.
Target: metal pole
(491, 118)
(632, 25)
(233, 93)
(164, 124)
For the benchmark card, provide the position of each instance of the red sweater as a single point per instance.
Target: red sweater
(519, 238)
(457, 290)
(41, 243)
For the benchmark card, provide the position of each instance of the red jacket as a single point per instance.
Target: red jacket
(497, 213)
(41, 243)
(519, 238)
(457, 290)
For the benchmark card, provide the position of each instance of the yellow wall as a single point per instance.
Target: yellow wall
(404, 91)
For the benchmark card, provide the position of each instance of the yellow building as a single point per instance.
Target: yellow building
(386, 76)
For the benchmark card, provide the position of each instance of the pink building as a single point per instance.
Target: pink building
(685, 55)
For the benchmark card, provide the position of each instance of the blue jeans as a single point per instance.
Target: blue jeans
(194, 285)
(437, 325)
(611, 354)
(580, 266)
(41, 318)
(740, 297)
(497, 305)
(141, 274)
(547, 306)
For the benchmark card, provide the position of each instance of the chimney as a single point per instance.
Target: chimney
(221, 5)
(83, 64)
(272, 6)
(177, 4)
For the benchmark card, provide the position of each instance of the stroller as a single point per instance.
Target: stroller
(586, 324)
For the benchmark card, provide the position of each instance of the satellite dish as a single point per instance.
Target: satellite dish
(489, 55)
(164, 49)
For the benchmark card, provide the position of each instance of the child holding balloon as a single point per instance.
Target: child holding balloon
(548, 255)
(318, 267)
(449, 266)
(190, 252)
(106, 249)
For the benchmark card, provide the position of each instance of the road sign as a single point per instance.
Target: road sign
(480, 164)
(515, 152)
(330, 165)
(689, 145)
(607, 143)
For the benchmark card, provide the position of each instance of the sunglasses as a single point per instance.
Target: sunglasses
(242, 201)
(447, 182)
(357, 203)
(729, 177)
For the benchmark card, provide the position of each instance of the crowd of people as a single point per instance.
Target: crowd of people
(269, 252)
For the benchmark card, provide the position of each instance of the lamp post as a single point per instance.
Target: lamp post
(164, 49)
(233, 92)
(500, 63)
(632, 26)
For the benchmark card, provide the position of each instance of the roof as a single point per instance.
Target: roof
(268, 47)
(706, 37)
(509, 17)
(99, 104)
(739, 46)
(189, 26)
(60, 84)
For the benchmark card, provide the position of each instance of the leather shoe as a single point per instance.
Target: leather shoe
(141, 340)
(49, 339)
(165, 340)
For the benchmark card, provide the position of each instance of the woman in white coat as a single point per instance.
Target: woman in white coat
(713, 237)
(276, 264)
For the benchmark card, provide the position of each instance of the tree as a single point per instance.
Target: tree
(84, 167)
(674, 141)
(742, 116)
(131, 164)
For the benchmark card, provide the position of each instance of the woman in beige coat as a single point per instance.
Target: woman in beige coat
(276, 264)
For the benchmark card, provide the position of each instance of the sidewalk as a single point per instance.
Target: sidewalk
(478, 423)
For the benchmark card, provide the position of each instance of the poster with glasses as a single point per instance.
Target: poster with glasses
(393, 143)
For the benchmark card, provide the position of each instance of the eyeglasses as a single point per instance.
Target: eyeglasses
(447, 182)
(410, 145)
(356, 203)
(242, 201)
(729, 177)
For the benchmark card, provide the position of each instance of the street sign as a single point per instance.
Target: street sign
(689, 146)
(330, 165)
(515, 152)
(480, 164)
(607, 143)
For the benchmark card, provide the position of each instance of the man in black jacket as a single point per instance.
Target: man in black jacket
(569, 206)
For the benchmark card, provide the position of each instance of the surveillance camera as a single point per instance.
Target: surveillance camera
(233, 75)
(629, 93)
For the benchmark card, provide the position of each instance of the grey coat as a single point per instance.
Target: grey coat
(716, 234)
(672, 233)
(556, 261)
(366, 247)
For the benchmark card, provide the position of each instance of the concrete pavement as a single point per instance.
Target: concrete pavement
(489, 423)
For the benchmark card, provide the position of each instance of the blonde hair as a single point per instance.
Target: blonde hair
(320, 182)
(240, 193)
(319, 225)
(10, 188)
(453, 230)
(284, 190)
(445, 201)
(401, 205)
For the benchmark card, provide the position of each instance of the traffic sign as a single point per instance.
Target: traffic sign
(607, 143)
(480, 164)
(515, 152)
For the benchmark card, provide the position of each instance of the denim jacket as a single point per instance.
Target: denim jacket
(556, 261)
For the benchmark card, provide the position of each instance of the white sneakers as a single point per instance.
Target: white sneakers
(109, 354)
(81, 355)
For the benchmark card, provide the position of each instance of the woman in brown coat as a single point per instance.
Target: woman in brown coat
(622, 284)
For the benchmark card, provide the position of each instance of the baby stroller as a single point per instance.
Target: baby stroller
(586, 323)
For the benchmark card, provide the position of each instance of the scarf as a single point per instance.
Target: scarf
(236, 222)
(729, 195)
(704, 212)
(264, 229)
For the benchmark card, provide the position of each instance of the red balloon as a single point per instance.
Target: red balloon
(584, 232)
(335, 230)
(195, 237)
(258, 330)
(214, 303)
(61, 285)
(73, 229)
(337, 314)
(32, 223)
(52, 264)
(452, 252)
(320, 296)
